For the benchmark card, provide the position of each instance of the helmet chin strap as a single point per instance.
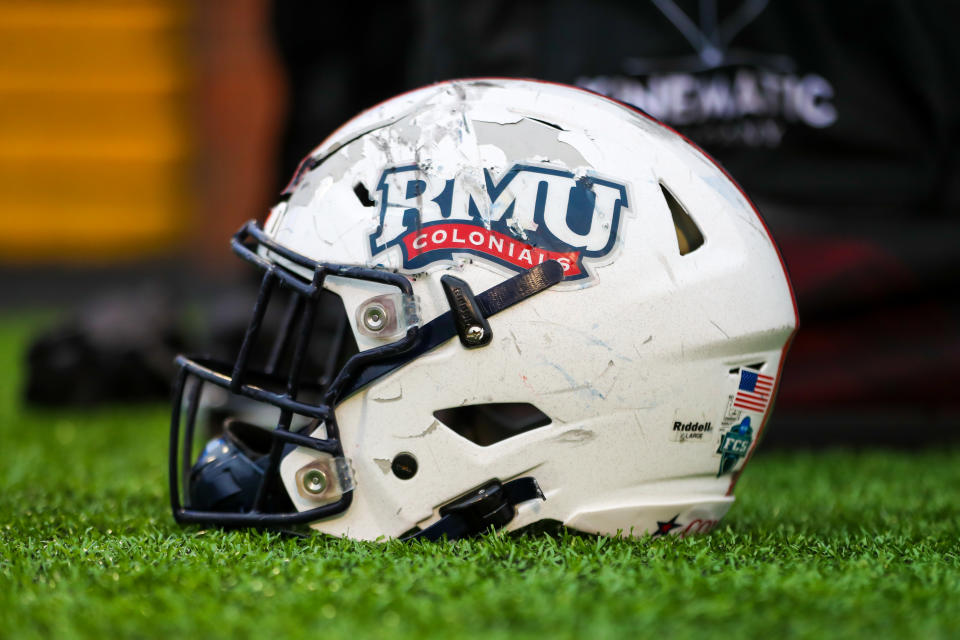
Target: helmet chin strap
(466, 311)
(491, 506)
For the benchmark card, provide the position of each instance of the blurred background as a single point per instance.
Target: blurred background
(136, 136)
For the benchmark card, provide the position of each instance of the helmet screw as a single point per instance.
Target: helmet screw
(474, 334)
(374, 317)
(314, 481)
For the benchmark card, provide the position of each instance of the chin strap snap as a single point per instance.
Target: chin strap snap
(491, 506)
(472, 327)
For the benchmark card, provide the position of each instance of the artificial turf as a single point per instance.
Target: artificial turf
(835, 544)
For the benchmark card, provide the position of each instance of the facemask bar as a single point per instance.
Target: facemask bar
(359, 371)
(306, 294)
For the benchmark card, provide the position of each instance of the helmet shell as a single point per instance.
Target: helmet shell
(639, 357)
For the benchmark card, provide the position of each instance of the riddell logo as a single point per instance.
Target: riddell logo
(525, 217)
(692, 426)
(683, 431)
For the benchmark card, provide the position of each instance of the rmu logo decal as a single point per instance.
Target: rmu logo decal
(529, 215)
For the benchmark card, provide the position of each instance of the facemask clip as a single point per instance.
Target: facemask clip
(325, 479)
(388, 316)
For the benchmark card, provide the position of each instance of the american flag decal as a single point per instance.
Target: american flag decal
(754, 391)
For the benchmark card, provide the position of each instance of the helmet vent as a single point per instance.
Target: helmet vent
(487, 424)
(757, 366)
(689, 236)
(549, 124)
(363, 195)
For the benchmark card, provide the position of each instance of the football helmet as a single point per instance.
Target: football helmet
(508, 301)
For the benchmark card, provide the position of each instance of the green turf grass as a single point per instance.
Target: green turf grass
(838, 545)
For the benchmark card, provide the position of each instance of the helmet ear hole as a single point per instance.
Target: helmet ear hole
(404, 466)
(487, 424)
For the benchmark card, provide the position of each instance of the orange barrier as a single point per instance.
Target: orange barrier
(95, 141)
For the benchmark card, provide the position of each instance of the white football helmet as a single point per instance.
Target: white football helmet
(552, 307)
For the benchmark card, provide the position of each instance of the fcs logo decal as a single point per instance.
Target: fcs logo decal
(530, 215)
